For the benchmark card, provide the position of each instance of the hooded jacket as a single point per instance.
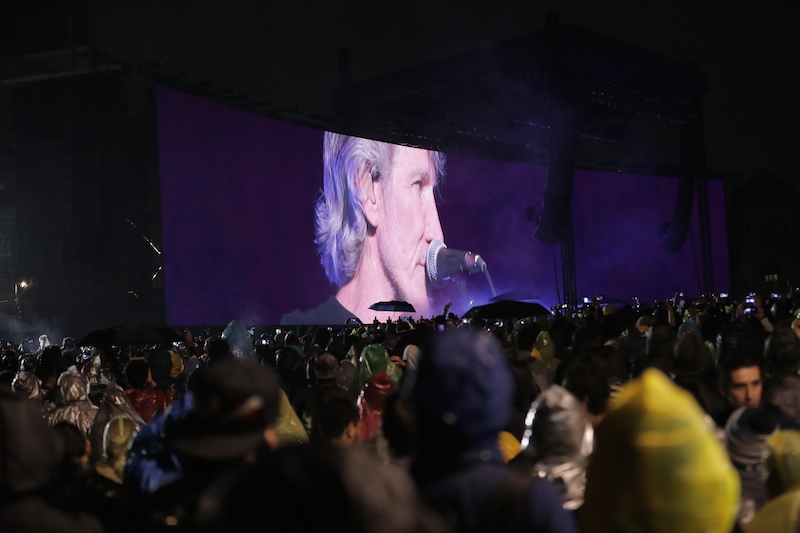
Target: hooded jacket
(30, 453)
(462, 399)
(73, 404)
(115, 404)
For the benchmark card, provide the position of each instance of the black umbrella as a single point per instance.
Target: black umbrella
(507, 309)
(394, 305)
(130, 334)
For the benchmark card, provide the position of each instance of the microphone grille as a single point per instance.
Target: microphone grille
(430, 264)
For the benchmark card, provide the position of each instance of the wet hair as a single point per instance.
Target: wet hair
(591, 376)
(734, 360)
(782, 349)
(9, 361)
(524, 336)
(728, 339)
(265, 354)
(73, 439)
(218, 349)
(7, 378)
(337, 410)
(44, 371)
(397, 423)
(340, 224)
(136, 373)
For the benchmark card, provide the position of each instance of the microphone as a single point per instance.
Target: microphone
(444, 263)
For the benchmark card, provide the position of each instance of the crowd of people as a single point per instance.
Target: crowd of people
(682, 416)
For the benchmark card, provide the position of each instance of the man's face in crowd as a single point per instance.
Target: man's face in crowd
(409, 221)
(744, 389)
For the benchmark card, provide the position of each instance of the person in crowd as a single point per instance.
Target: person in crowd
(79, 487)
(72, 403)
(48, 380)
(146, 399)
(557, 443)
(526, 389)
(375, 219)
(115, 403)
(289, 367)
(740, 381)
(159, 361)
(30, 454)
(77, 450)
(411, 356)
(337, 421)
(782, 464)
(657, 465)
(397, 429)
(27, 384)
(239, 340)
(782, 386)
(373, 360)
(307, 488)
(117, 436)
(326, 371)
(524, 337)
(461, 400)
(728, 339)
(231, 422)
(371, 402)
(692, 367)
(59, 361)
(659, 347)
(592, 377)
(746, 434)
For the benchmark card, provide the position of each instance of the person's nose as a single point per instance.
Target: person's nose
(433, 227)
(751, 393)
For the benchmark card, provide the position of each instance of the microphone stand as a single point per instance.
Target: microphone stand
(489, 279)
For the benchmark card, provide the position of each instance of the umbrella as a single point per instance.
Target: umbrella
(518, 296)
(394, 305)
(507, 309)
(130, 334)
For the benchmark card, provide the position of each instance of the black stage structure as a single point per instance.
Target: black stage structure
(529, 100)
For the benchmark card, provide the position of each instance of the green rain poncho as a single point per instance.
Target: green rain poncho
(374, 359)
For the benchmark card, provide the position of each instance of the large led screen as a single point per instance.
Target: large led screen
(238, 197)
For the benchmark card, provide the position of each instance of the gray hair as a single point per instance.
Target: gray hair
(340, 223)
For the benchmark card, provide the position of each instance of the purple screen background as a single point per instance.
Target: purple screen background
(237, 200)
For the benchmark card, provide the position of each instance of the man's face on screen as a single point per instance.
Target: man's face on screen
(409, 221)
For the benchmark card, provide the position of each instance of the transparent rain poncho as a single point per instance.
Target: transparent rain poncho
(782, 463)
(240, 341)
(72, 403)
(558, 440)
(115, 404)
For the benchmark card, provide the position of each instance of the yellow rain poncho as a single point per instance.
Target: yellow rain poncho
(290, 429)
(657, 466)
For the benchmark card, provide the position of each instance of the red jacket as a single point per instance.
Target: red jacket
(148, 402)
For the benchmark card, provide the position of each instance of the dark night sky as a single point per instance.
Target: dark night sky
(288, 53)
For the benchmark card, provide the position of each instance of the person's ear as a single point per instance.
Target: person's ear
(367, 185)
(351, 432)
(271, 438)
